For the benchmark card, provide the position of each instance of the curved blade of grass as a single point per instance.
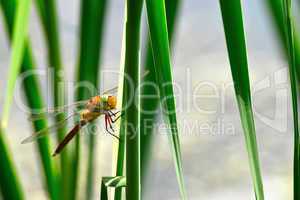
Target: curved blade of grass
(10, 186)
(34, 101)
(91, 31)
(236, 46)
(18, 42)
(276, 10)
(161, 54)
(288, 25)
(131, 115)
(290, 42)
(117, 182)
(48, 17)
(150, 105)
(119, 148)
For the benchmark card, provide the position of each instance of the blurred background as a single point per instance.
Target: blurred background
(214, 155)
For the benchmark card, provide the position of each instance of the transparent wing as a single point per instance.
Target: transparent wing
(55, 111)
(111, 90)
(115, 89)
(47, 130)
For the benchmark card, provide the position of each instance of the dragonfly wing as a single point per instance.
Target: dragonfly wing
(111, 90)
(47, 130)
(115, 89)
(55, 111)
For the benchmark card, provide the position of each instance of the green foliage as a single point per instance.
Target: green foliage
(132, 112)
(91, 30)
(48, 17)
(34, 101)
(135, 136)
(149, 105)
(294, 78)
(9, 182)
(276, 10)
(20, 27)
(117, 182)
(161, 55)
(236, 46)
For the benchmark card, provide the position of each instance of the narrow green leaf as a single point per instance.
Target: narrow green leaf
(9, 183)
(48, 17)
(18, 42)
(120, 155)
(131, 68)
(34, 101)
(117, 182)
(161, 54)
(91, 31)
(149, 105)
(236, 46)
(294, 78)
(276, 10)
(120, 146)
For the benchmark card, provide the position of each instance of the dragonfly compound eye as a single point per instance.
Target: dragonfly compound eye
(112, 102)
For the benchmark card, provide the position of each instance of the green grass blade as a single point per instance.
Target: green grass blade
(131, 68)
(161, 54)
(150, 105)
(120, 146)
(9, 183)
(91, 31)
(236, 46)
(34, 101)
(276, 10)
(117, 182)
(288, 25)
(120, 156)
(20, 29)
(48, 17)
(291, 46)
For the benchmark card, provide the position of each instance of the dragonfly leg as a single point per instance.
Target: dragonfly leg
(109, 119)
(114, 114)
(106, 127)
(111, 113)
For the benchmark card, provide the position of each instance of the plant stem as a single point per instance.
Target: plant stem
(9, 183)
(34, 101)
(91, 30)
(161, 54)
(132, 57)
(150, 105)
(236, 45)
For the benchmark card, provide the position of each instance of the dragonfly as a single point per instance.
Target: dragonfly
(93, 107)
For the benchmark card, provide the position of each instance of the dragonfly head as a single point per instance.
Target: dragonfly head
(112, 102)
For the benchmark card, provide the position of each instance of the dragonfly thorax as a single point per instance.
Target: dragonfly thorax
(87, 115)
(102, 103)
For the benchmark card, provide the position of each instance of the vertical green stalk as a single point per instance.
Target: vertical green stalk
(121, 154)
(10, 186)
(294, 78)
(48, 16)
(150, 105)
(276, 10)
(132, 58)
(20, 29)
(91, 31)
(236, 46)
(34, 101)
(161, 54)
